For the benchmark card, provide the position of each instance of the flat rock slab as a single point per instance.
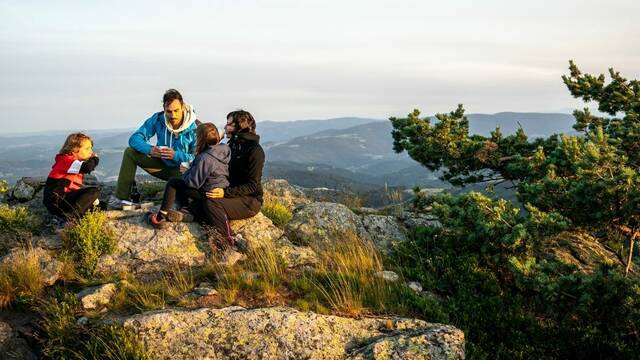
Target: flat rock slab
(285, 333)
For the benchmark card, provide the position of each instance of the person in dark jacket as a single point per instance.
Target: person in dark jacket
(64, 194)
(209, 170)
(243, 198)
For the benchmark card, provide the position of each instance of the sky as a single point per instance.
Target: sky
(80, 65)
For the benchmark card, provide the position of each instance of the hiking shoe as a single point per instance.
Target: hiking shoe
(151, 218)
(179, 216)
(239, 243)
(57, 223)
(114, 203)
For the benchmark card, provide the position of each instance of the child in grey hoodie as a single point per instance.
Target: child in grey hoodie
(209, 170)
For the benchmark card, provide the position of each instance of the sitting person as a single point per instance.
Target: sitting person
(209, 170)
(64, 195)
(243, 198)
(175, 131)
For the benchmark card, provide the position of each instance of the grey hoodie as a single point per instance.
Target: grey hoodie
(210, 169)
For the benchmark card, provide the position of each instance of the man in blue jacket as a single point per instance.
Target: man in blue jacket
(175, 131)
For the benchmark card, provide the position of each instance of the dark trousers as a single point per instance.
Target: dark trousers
(177, 190)
(217, 212)
(71, 205)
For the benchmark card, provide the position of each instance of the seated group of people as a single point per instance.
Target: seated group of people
(207, 180)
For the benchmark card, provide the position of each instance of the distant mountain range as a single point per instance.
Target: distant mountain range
(352, 153)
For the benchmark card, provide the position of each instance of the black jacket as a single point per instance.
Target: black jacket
(245, 167)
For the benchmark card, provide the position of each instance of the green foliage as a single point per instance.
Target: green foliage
(491, 267)
(87, 239)
(590, 179)
(150, 189)
(63, 338)
(17, 219)
(4, 186)
(278, 213)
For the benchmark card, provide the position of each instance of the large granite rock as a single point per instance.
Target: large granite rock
(49, 268)
(385, 231)
(26, 188)
(285, 333)
(144, 250)
(95, 297)
(279, 190)
(322, 224)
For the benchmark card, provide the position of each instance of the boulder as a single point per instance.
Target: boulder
(26, 188)
(384, 230)
(323, 223)
(143, 250)
(12, 346)
(49, 268)
(279, 190)
(285, 333)
(95, 297)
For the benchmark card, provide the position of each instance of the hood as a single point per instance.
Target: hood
(188, 118)
(220, 152)
(246, 137)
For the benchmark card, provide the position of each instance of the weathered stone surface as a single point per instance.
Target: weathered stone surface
(384, 230)
(26, 188)
(11, 346)
(285, 333)
(388, 275)
(580, 249)
(323, 224)
(412, 220)
(281, 191)
(96, 297)
(296, 256)
(415, 286)
(257, 230)
(143, 250)
(49, 268)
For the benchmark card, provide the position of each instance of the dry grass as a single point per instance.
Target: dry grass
(21, 277)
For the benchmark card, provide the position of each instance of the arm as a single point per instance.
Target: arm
(89, 165)
(197, 173)
(139, 140)
(254, 176)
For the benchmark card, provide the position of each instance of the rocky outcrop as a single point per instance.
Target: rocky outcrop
(285, 333)
(49, 268)
(143, 250)
(322, 224)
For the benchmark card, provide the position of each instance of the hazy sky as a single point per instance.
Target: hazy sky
(88, 65)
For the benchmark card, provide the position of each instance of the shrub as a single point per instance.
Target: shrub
(63, 338)
(277, 212)
(87, 240)
(4, 187)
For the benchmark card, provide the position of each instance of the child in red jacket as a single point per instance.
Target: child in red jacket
(64, 195)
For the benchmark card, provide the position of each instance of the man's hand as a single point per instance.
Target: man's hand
(155, 152)
(168, 153)
(216, 193)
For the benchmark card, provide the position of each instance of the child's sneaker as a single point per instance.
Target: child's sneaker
(57, 223)
(151, 218)
(184, 215)
(239, 243)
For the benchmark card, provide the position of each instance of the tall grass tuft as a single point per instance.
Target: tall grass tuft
(88, 239)
(278, 213)
(21, 278)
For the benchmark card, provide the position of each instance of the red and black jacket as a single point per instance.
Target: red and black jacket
(67, 174)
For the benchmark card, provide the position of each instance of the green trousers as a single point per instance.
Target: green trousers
(131, 159)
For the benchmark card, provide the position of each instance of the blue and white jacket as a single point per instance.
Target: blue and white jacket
(182, 140)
